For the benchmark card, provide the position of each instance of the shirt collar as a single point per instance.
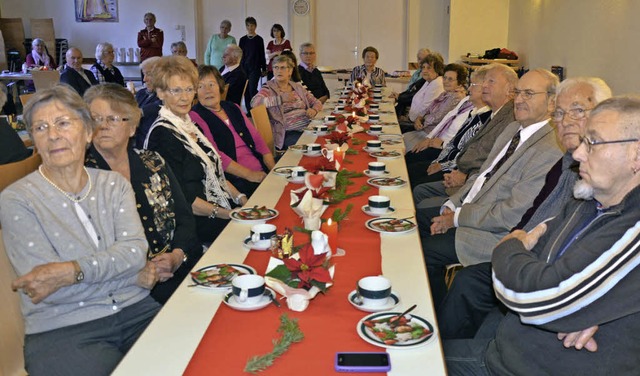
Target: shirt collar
(228, 69)
(305, 66)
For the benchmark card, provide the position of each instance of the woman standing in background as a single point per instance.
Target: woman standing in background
(217, 44)
(276, 46)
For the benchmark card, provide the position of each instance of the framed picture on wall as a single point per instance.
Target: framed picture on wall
(96, 10)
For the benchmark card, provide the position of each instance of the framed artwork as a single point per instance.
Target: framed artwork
(96, 10)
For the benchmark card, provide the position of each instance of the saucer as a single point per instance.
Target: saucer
(370, 133)
(231, 301)
(392, 301)
(369, 174)
(312, 154)
(248, 244)
(366, 148)
(296, 180)
(367, 211)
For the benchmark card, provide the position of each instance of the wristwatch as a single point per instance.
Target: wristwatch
(79, 275)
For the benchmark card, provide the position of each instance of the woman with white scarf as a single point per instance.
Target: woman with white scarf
(188, 152)
(38, 57)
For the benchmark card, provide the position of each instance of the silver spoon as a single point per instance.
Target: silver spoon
(271, 297)
(357, 298)
(396, 318)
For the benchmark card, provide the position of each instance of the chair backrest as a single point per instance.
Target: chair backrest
(11, 322)
(45, 79)
(24, 98)
(12, 172)
(223, 96)
(261, 121)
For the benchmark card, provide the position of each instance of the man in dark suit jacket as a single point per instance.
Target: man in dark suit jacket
(233, 74)
(74, 75)
(309, 73)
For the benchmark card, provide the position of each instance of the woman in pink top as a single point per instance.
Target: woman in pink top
(276, 46)
(246, 159)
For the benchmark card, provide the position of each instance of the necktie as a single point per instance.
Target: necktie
(512, 148)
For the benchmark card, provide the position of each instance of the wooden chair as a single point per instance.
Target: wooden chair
(261, 121)
(11, 322)
(223, 96)
(24, 98)
(45, 79)
(11, 172)
(450, 273)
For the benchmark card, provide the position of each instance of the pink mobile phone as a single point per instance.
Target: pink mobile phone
(363, 362)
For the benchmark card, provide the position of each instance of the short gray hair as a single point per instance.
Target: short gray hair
(67, 97)
(628, 109)
(306, 45)
(101, 48)
(284, 59)
(508, 73)
(37, 41)
(601, 90)
(235, 51)
(226, 23)
(149, 62)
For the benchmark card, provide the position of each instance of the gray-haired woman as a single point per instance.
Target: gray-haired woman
(103, 68)
(75, 240)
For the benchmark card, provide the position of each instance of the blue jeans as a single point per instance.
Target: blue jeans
(90, 348)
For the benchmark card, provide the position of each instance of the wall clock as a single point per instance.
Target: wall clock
(301, 7)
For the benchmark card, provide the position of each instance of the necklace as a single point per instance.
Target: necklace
(217, 110)
(76, 200)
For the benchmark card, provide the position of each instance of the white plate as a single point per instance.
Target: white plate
(371, 225)
(366, 148)
(242, 268)
(368, 334)
(248, 244)
(295, 180)
(378, 182)
(392, 301)
(236, 217)
(375, 134)
(367, 211)
(283, 170)
(230, 301)
(369, 174)
(297, 148)
(386, 154)
(390, 136)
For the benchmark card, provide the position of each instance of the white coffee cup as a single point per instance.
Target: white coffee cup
(374, 145)
(374, 118)
(313, 148)
(374, 290)
(321, 128)
(248, 288)
(379, 204)
(298, 172)
(329, 118)
(377, 168)
(261, 234)
(375, 129)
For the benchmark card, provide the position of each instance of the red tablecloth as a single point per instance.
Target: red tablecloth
(329, 323)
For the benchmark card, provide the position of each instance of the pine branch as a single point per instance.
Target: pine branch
(291, 334)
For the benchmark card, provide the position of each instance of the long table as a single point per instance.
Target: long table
(171, 340)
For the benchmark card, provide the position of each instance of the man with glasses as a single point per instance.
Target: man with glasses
(468, 225)
(470, 297)
(577, 271)
(309, 73)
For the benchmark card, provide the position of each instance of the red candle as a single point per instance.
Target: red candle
(331, 230)
(338, 157)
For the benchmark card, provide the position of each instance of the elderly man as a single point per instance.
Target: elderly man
(470, 297)
(309, 73)
(497, 88)
(74, 75)
(233, 74)
(493, 201)
(577, 274)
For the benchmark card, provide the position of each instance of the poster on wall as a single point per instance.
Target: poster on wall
(96, 10)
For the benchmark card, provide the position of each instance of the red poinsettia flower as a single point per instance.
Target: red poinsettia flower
(339, 138)
(323, 165)
(308, 268)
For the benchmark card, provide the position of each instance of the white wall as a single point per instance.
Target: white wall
(476, 26)
(587, 37)
(169, 14)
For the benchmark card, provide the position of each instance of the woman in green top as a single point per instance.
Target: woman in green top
(217, 44)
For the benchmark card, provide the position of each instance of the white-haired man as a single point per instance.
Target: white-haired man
(232, 73)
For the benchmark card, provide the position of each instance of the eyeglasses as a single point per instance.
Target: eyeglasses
(526, 94)
(63, 124)
(473, 84)
(307, 53)
(179, 91)
(280, 67)
(111, 119)
(574, 113)
(450, 79)
(589, 143)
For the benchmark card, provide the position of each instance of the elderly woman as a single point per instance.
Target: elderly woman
(432, 71)
(454, 82)
(148, 101)
(165, 214)
(428, 160)
(295, 75)
(75, 240)
(217, 44)
(103, 69)
(291, 106)
(246, 159)
(276, 47)
(368, 73)
(39, 57)
(191, 156)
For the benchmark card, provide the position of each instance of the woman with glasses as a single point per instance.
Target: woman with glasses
(165, 214)
(291, 106)
(246, 159)
(187, 151)
(103, 69)
(74, 238)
